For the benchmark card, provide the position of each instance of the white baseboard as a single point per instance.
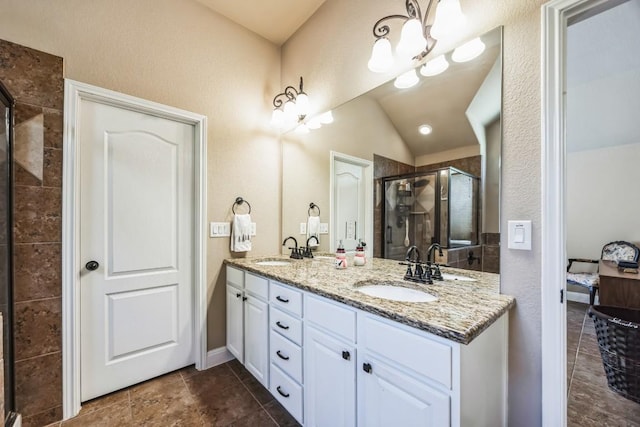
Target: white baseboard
(218, 356)
(580, 297)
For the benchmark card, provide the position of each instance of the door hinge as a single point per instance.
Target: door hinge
(561, 296)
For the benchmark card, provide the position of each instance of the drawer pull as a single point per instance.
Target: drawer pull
(238, 295)
(367, 368)
(282, 393)
(346, 355)
(279, 298)
(280, 325)
(281, 356)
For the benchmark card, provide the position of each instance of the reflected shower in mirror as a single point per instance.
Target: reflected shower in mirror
(441, 139)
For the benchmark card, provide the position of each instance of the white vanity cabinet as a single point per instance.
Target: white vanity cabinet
(248, 321)
(329, 360)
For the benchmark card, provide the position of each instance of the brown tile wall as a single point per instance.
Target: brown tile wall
(490, 252)
(472, 165)
(35, 79)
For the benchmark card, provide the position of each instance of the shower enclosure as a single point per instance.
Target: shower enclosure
(438, 206)
(6, 291)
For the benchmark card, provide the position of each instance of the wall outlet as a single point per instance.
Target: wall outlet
(324, 228)
(219, 229)
(303, 228)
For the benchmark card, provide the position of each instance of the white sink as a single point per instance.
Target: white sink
(396, 293)
(447, 276)
(273, 263)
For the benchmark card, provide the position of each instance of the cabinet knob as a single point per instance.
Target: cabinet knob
(282, 393)
(238, 295)
(244, 298)
(367, 368)
(281, 356)
(346, 355)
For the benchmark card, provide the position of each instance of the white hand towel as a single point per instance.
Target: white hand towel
(241, 233)
(313, 229)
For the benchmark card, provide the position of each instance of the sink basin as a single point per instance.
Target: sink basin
(273, 263)
(396, 293)
(447, 276)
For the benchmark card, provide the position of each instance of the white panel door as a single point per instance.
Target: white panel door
(330, 381)
(349, 194)
(136, 213)
(256, 338)
(388, 397)
(235, 322)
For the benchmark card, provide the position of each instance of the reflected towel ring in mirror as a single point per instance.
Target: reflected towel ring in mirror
(239, 201)
(313, 206)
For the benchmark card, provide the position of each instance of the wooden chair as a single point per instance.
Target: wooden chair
(613, 251)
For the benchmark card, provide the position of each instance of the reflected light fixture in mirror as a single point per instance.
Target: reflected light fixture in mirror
(290, 106)
(407, 80)
(417, 38)
(468, 51)
(437, 65)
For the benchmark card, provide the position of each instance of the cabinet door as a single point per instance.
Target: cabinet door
(256, 338)
(388, 397)
(235, 332)
(329, 381)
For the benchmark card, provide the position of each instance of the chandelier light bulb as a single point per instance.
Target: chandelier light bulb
(326, 118)
(277, 118)
(302, 104)
(468, 51)
(449, 19)
(412, 40)
(381, 59)
(437, 65)
(407, 80)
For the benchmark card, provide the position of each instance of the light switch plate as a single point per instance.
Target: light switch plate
(520, 235)
(303, 228)
(324, 228)
(219, 229)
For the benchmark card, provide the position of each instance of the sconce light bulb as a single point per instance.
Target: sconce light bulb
(326, 118)
(437, 65)
(468, 51)
(412, 40)
(407, 80)
(290, 111)
(302, 104)
(277, 118)
(449, 19)
(314, 123)
(381, 59)
(302, 129)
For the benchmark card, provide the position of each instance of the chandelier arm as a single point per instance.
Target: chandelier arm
(380, 31)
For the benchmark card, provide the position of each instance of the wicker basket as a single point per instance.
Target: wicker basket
(618, 331)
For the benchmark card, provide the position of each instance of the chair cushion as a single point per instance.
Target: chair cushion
(618, 251)
(583, 279)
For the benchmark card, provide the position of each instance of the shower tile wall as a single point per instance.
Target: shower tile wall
(383, 167)
(35, 79)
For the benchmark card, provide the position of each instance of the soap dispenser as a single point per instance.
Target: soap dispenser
(360, 258)
(341, 257)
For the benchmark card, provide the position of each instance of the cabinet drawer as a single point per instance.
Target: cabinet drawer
(286, 355)
(256, 285)
(407, 349)
(235, 277)
(286, 325)
(286, 298)
(287, 392)
(337, 319)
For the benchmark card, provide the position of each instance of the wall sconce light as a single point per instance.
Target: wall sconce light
(417, 38)
(290, 107)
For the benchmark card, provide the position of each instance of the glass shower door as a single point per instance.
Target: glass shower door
(6, 291)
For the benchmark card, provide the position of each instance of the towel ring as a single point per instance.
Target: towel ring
(313, 206)
(239, 201)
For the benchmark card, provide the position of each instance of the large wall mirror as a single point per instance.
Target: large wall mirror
(374, 176)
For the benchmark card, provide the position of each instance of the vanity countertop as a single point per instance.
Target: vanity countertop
(462, 311)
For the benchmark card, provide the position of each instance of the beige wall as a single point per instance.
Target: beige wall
(599, 207)
(179, 53)
(331, 52)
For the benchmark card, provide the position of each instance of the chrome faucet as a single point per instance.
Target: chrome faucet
(306, 251)
(295, 254)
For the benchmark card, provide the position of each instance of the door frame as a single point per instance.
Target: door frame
(74, 93)
(367, 166)
(555, 18)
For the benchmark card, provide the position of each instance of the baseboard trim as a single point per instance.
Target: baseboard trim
(218, 356)
(580, 297)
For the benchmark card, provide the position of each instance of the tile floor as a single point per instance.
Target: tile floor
(590, 402)
(226, 395)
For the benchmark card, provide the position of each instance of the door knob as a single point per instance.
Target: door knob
(92, 265)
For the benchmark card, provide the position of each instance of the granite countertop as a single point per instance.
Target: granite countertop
(463, 309)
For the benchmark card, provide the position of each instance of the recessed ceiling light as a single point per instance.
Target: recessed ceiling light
(425, 129)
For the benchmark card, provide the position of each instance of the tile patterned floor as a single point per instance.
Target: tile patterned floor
(226, 395)
(590, 402)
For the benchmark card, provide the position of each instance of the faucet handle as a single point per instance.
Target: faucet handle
(437, 274)
(409, 273)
